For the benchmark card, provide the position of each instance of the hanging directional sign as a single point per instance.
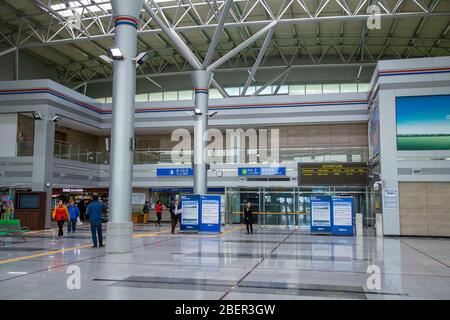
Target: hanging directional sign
(175, 172)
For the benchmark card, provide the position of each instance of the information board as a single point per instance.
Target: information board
(262, 171)
(390, 199)
(190, 205)
(332, 174)
(210, 213)
(174, 172)
(343, 217)
(320, 214)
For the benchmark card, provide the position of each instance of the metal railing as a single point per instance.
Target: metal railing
(74, 152)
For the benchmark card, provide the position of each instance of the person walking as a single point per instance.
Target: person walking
(146, 211)
(94, 213)
(248, 217)
(60, 215)
(74, 213)
(158, 208)
(175, 212)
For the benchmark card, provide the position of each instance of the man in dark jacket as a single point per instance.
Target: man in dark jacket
(248, 217)
(175, 212)
(94, 213)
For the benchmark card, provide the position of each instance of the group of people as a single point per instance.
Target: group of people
(6, 210)
(71, 214)
(174, 209)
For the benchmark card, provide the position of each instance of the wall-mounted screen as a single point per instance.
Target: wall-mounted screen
(332, 174)
(423, 123)
(28, 201)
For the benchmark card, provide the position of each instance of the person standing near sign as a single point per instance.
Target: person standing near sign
(175, 212)
(248, 217)
(158, 208)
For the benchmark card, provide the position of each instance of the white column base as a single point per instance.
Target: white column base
(379, 224)
(119, 237)
(359, 225)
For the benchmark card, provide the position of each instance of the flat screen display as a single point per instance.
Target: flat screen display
(423, 123)
(332, 174)
(29, 201)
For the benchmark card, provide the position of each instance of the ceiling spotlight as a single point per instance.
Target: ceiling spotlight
(105, 58)
(212, 114)
(55, 119)
(115, 53)
(37, 115)
(198, 112)
(142, 58)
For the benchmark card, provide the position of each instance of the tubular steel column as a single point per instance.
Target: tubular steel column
(120, 227)
(201, 80)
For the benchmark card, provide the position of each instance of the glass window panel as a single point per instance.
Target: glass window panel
(296, 89)
(141, 97)
(109, 100)
(349, 87)
(331, 88)
(170, 95)
(214, 94)
(266, 91)
(156, 96)
(363, 87)
(250, 90)
(313, 88)
(233, 91)
(284, 89)
(185, 95)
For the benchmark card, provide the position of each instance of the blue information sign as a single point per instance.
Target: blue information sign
(262, 171)
(209, 213)
(175, 172)
(343, 218)
(190, 205)
(321, 208)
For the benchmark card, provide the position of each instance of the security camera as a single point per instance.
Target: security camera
(37, 116)
(55, 119)
(377, 185)
(142, 58)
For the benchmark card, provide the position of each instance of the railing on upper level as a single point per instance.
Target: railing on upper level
(68, 151)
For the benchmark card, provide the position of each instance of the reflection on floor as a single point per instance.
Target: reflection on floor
(272, 263)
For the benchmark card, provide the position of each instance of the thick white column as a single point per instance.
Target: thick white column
(44, 137)
(120, 227)
(388, 159)
(201, 80)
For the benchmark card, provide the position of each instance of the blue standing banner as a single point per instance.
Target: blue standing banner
(343, 216)
(209, 213)
(190, 205)
(320, 221)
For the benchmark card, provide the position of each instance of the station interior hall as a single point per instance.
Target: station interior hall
(225, 149)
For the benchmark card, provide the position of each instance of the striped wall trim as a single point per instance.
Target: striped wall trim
(389, 73)
(201, 90)
(126, 20)
(87, 106)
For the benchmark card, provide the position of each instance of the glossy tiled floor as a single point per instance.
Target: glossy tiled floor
(270, 264)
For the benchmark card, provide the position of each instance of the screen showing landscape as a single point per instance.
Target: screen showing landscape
(423, 123)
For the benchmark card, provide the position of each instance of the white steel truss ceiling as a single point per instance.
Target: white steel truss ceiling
(70, 35)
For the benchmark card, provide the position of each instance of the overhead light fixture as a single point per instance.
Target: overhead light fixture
(55, 119)
(198, 112)
(115, 53)
(212, 114)
(142, 58)
(37, 115)
(105, 58)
